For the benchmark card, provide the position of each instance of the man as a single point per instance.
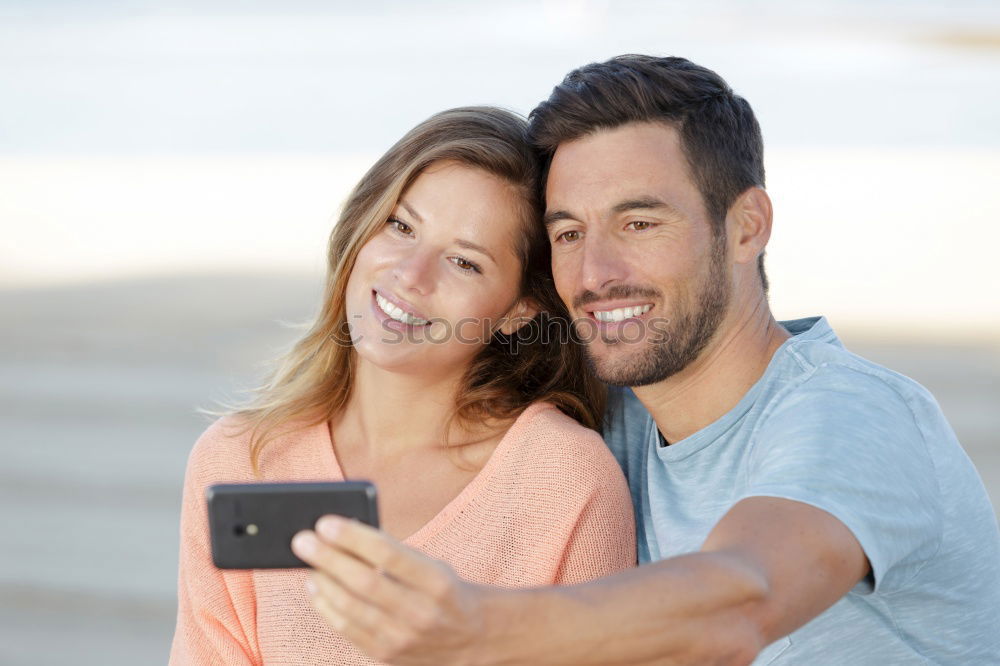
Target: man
(795, 503)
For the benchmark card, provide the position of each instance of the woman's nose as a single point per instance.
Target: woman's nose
(414, 270)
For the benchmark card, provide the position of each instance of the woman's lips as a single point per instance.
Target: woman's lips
(392, 315)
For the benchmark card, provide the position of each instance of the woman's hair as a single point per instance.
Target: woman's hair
(541, 361)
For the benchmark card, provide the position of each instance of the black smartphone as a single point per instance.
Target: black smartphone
(252, 524)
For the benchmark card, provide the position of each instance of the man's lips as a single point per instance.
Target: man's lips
(610, 312)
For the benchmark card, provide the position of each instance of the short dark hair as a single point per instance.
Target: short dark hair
(719, 134)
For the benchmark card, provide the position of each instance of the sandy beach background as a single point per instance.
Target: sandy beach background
(169, 172)
(100, 383)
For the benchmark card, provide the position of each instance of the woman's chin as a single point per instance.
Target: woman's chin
(412, 361)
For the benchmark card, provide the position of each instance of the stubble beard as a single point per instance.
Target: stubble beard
(674, 345)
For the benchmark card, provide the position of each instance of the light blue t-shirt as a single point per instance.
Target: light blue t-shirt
(868, 445)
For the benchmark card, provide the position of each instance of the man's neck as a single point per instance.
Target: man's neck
(717, 380)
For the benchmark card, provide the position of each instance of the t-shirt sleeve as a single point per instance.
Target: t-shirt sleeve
(603, 539)
(847, 443)
(215, 608)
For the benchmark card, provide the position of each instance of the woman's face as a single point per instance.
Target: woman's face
(440, 276)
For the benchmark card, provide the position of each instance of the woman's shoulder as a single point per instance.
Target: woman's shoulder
(545, 420)
(223, 450)
(544, 433)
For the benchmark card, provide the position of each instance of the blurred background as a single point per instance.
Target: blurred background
(169, 172)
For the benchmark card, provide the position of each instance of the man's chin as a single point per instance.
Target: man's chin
(623, 364)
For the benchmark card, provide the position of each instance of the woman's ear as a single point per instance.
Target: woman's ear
(520, 314)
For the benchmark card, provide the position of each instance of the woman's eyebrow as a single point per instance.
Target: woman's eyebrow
(461, 242)
(469, 245)
(411, 211)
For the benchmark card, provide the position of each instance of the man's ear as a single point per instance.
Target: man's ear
(520, 314)
(749, 225)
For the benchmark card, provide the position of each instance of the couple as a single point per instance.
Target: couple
(793, 503)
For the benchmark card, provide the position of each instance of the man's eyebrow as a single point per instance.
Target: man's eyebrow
(555, 216)
(641, 203)
(461, 242)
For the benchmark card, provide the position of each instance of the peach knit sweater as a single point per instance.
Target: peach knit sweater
(549, 507)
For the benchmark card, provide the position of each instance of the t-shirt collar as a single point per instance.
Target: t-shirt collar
(809, 328)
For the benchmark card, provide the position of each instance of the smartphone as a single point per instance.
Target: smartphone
(252, 524)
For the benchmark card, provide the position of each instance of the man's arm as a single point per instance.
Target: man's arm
(769, 566)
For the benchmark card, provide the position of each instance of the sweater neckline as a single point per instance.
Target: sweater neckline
(454, 507)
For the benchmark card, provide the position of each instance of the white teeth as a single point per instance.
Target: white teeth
(397, 313)
(621, 314)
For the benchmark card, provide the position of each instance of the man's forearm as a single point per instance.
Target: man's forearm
(697, 608)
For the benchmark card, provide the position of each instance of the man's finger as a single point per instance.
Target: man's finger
(355, 633)
(358, 577)
(372, 630)
(355, 614)
(410, 567)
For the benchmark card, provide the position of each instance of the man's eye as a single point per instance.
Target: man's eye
(400, 226)
(466, 265)
(570, 236)
(640, 225)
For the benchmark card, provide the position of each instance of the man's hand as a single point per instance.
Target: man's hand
(393, 602)
(768, 567)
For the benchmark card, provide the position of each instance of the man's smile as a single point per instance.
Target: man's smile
(617, 314)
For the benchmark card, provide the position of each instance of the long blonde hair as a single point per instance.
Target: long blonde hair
(312, 382)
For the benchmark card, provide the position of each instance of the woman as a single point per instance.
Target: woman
(433, 370)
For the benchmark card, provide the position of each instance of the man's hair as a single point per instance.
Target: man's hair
(719, 135)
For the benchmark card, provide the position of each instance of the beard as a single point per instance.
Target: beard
(670, 346)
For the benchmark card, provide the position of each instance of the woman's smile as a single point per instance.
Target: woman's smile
(396, 312)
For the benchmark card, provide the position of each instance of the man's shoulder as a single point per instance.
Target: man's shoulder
(621, 399)
(829, 409)
(824, 374)
(626, 421)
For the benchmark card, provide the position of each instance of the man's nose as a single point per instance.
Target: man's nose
(603, 264)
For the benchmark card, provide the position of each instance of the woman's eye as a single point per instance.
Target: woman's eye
(465, 264)
(400, 226)
(568, 236)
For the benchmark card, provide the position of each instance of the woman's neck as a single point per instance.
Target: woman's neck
(391, 413)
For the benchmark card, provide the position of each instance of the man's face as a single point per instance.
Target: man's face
(633, 253)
